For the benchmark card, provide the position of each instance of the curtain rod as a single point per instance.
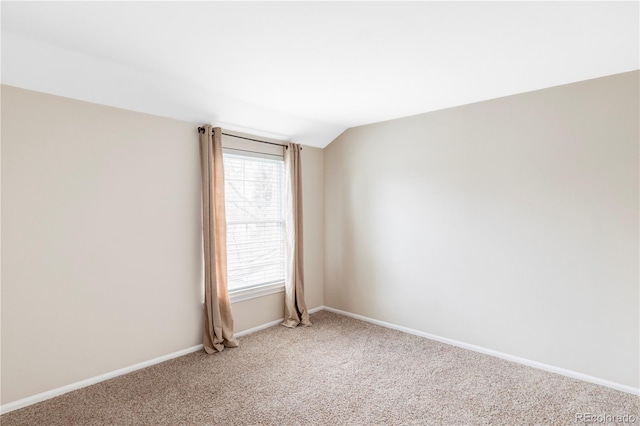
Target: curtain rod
(201, 130)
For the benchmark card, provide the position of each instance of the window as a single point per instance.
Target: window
(254, 197)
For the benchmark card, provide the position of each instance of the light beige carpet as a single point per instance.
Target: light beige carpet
(341, 371)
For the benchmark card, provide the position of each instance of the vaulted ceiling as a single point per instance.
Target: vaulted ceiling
(306, 71)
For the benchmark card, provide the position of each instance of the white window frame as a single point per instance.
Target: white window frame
(263, 289)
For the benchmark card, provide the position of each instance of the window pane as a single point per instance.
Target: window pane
(255, 220)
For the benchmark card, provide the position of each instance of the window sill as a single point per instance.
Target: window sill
(253, 292)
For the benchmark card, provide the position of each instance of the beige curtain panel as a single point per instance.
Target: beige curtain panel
(218, 322)
(295, 310)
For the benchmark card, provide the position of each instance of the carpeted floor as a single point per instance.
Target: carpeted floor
(341, 371)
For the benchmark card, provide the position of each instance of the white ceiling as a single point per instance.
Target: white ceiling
(306, 71)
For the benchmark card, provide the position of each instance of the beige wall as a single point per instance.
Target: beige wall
(510, 224)
(101, 238)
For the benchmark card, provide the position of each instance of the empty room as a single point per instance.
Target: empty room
(320, 213)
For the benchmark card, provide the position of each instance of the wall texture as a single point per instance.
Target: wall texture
(101, 238)
(511, 224)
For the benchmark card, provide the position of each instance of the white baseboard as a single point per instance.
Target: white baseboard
(513, 358)
(258, 328)
(272, 323)
(92, 381)
(21, 403)
(317, 309)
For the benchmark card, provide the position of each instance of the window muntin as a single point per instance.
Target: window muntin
(254, 200)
